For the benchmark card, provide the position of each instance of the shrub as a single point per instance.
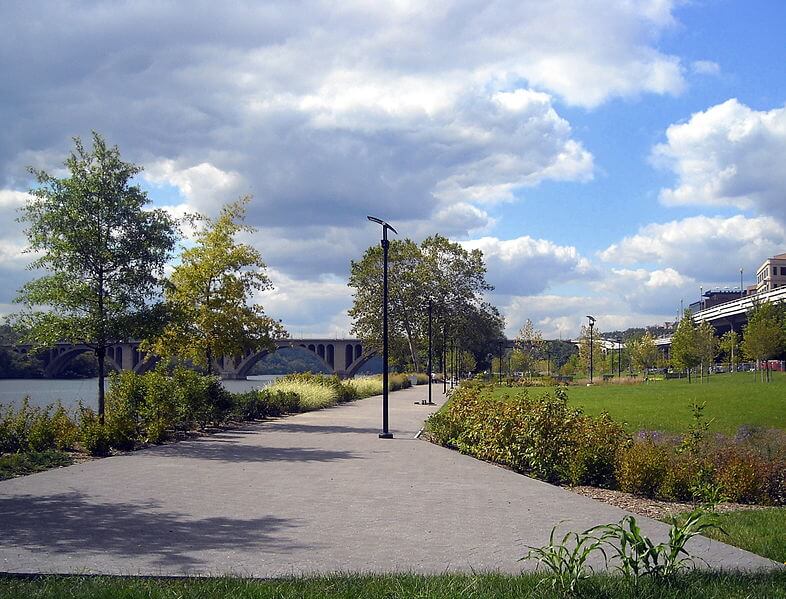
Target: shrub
(158, 412)
(40, 432)
(398, 381)
(92, 434)
(596, 445)
(738, 473)
(312, 395)
(65, 429)
(365, 386)
(642, 468)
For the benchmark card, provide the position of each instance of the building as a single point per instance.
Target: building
(771, 274)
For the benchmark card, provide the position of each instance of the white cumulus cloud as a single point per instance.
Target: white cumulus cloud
(728, 155)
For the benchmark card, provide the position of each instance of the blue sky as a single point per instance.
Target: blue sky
(608, 157)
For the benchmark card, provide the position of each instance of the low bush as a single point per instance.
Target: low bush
(16, 464)
(546, 438)
(398, 381)
(365, 386)
(312, 396)
(36, 429)
(543, 437)
(93, 435)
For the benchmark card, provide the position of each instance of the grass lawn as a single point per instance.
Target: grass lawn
(732, 400)
(759, 531)
(693, 586)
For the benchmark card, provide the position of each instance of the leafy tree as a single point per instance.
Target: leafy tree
(684, 350)
(103, 250)
(706, 345)
(209, 295)
(643, 352)
(765, 335)
(729, 344)
(584, 349)
(529, 344)
(452, 277)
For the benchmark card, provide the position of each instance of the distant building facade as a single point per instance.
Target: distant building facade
(771, 274)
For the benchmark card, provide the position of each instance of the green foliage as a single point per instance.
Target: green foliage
(643, 352)
(366, 386)
(685, 353)
(760, 531)
(17, 464)
(440, 269)
(566, 560)
(690, 585)
(35, 429)
(543, 437)
(765, 334)
(93, 435)
(208, 296)
(104, 251)
(637, 555)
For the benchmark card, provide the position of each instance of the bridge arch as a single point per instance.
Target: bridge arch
(325, 352)
(358, 363)
(61, 356)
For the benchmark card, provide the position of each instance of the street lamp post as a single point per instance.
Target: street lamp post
(430, 309)
(619, 358)
(385, 434)
(591, 325)
(444, 360)
(740, 282)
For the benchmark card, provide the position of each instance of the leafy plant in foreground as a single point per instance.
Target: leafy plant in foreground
(567, 559)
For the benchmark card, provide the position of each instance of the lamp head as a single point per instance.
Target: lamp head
(379, 221)
(591, 319)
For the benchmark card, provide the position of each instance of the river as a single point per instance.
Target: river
(71, 391)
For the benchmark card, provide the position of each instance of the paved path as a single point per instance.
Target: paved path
(315, 492)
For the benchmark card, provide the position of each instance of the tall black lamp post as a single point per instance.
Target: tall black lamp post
(444, 360)
(591, 325)
(430, 310)
(385, 434)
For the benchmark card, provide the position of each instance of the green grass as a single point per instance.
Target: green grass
(759, 531)
(732, 400)
(28, 462)
(446, 586)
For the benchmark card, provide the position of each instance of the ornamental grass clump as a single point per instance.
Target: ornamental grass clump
(366, 386)
(312, 396)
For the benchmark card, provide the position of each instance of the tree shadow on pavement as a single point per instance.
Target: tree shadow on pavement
(291, 427)
(230, 450)
(72, 523)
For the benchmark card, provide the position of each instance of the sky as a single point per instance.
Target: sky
(608, 157)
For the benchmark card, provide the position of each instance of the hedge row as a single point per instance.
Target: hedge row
(546, 438)
(148, 408)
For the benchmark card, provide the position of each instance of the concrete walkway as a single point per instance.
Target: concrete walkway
(315, 492)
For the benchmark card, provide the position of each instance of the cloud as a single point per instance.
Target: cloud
(709, 249)
(204, 186)
(525, 266)
(309, 307)
(705, 67)
(728, 155)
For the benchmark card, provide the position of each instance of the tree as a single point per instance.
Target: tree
(584, 349)
(729, 344)
(529, 344)
(684, 350)
(209, 296)
(643, 352)
(104, 251)
(765, 335)
(453, 278)
(706, 345)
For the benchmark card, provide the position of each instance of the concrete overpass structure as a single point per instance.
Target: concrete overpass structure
(343, 357)
(729, 316)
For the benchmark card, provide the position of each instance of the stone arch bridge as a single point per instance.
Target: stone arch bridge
(343, 357)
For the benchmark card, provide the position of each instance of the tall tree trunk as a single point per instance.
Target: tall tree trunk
(101, 355)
